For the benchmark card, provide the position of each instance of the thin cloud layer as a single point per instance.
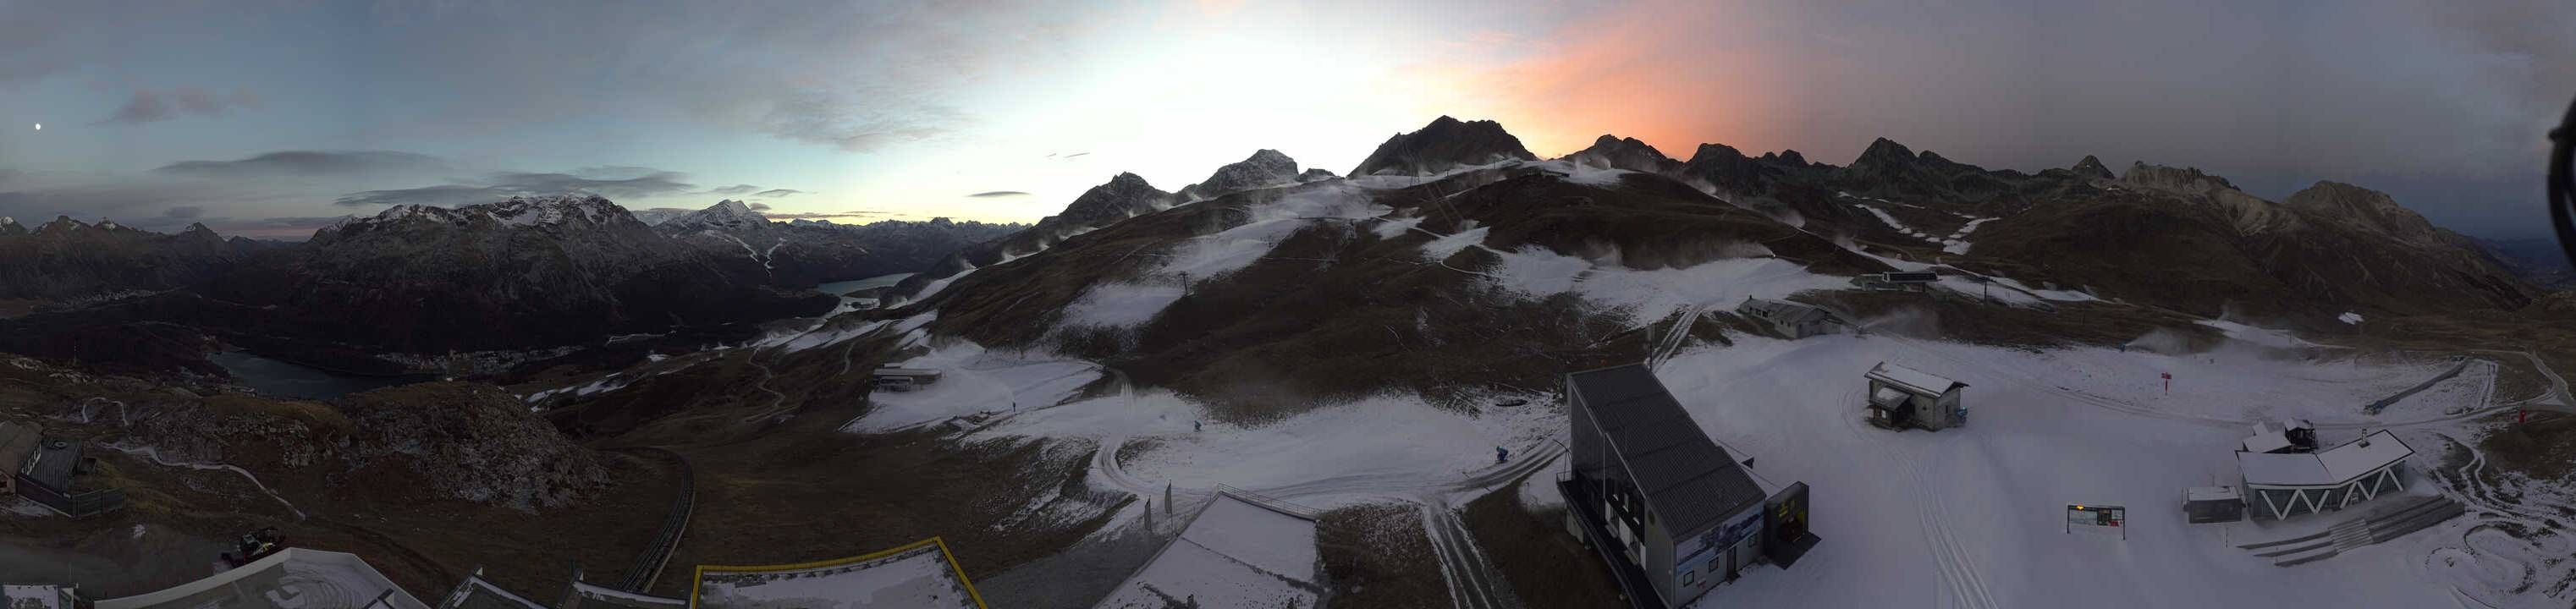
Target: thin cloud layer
(779, 193)
(997, 194)
(598, 181)
(147, 106)
(309, 163)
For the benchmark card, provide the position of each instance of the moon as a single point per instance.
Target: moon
(40, 126)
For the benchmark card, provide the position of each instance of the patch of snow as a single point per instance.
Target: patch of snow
(22, 506)
(1129, 303)
(1368, 450)
(974, 380)
(1449, 245)
(818, 338)
(2349, 317)
(2048, 428)
(1121, 304)
(1390, 228)
(920, 577)
(1655, 294)
(1577, 173)
(1957, 242)
(1234, 554)
(2260, 336)
(1894, 223)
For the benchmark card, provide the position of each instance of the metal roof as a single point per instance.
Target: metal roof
(1687, 478)
(2330, 467)
(1913, 380)
(54, 461)
(1783, 312)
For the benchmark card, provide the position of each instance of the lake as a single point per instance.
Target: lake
(284, 379)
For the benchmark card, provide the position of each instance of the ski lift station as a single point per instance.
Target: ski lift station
(2285, 484)
(904, 379)
(1901, 397)
(1790, 319)
(1672, 513)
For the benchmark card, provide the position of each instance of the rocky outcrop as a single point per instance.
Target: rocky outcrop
(1614, 152)
(432, 442)
(467, 442)
(1265, 168)
(1443, 145)
(2091, 168)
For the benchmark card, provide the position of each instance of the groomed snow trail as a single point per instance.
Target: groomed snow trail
(1474, 582)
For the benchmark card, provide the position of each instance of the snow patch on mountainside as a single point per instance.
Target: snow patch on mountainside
(1121, 304)
(1449, 245)
(2261, 336)
(975, 380)
(1133, 302)
(1648, 295)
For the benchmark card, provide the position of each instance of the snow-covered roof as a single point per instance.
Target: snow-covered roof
(478, 593)
(2267, 437)
(2213, 493)
(33, 596)
(306, 578)
(595, 595)
(1913, 380)
(2377, 450)
(1235, 553)
(919, 574)
(1782, 312)
(2330, 467)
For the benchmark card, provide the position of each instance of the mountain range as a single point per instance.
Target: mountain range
(518, 274)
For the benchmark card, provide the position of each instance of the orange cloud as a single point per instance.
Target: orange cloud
(1674, 74)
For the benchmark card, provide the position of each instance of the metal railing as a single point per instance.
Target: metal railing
(1273, 503)
(76, 505)
(648, 566)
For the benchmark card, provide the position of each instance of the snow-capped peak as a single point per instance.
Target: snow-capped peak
(61, 223)
(728, 213)
(548, 210)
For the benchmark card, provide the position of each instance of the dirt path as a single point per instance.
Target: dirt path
(2557, 384)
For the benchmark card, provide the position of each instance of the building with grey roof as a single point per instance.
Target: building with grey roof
(1672, 513)
(1901, 397)
(1790, 319)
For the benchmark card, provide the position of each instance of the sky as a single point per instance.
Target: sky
(271, 117)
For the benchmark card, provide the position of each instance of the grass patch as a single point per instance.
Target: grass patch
(1377, 557)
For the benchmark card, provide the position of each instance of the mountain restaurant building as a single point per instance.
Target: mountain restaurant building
(1673, 514)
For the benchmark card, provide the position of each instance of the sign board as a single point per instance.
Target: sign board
(2097, 517)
